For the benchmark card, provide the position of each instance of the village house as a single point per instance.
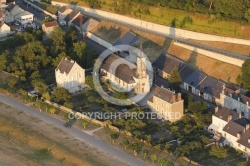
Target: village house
(24, 17)
(70, 17)
(167, 104)
(89, 25)
(231, 129)
(4, 30)
(70, 75)
(63, 12)
(235, 100)
(48, 27)
(79, 21)
(165, 64)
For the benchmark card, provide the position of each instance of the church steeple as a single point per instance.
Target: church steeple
(141, 63)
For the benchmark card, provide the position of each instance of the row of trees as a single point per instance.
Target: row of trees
(239, 9)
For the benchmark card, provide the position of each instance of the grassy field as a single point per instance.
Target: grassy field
(201, 22)
(47, 145)
(212, 67)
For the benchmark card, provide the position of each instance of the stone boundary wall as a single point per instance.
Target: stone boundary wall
(153, 27)
(220, 57)
(44, 11)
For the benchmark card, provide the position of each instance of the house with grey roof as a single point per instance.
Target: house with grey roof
(89, 25)
(70, 75)
(233, 129)
(192, 81)
(235, 99)
(71, 16)
(210, 89)
(165, 64)
(79, 21)
(167, 104)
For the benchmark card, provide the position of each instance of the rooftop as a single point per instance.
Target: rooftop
(65, 66)
(211, 86)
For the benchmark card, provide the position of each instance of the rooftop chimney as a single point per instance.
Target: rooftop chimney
(247, 103)
(230, 95)
(72, 61)
(179, 96)
(247, 126)
(230, 117)
(216, 109)
(248, 140)
(239, 135)
(238, 98)
(174, 98)
(240, 115)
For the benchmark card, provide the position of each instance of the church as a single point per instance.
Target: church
(126, 75)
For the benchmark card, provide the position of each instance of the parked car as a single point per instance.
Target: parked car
(16, 23)
(67, 125)
(62, 23)
(85, 37)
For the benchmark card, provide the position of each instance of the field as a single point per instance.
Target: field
(28, 141)
(201, 22)
(236, 48)
(212, 67)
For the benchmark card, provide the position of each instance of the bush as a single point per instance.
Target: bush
(46, 96)
(52, 110)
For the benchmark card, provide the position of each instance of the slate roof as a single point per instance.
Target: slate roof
(10, 6)
(164, 94)
(185, 72)
(63, 9)
(161, 82)
(167, 63)
(234, 127)
(123, 72)
(224, 112)
(237, 95)
(127, 39)
(71, 15)
(195, 78)
(211, 86)
(79, 20)
(90, 24)
(65, 66)
(51, 24)
(244, 139)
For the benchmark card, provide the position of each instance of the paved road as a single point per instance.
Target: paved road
(124, 157)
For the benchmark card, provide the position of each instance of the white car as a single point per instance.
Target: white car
(17, 23)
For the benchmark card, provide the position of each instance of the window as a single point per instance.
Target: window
(238, 145)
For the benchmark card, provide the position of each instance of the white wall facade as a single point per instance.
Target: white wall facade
(73, 81)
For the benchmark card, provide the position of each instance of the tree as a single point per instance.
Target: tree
(218, 151)
(145, 153)
(52, 110)
(135, 147)
(61, 95)
(244, 78)
(162, 161)
(40, 86)
(175, 80)
(57, 36)
(114, 136)
(89, 81)
(153, 158)
(79, 49)
(134, 124)
(167, 146)
(242, 163)
(68, 104)
(197, 108)
(84, 124)
(12, 82)
(125, 143)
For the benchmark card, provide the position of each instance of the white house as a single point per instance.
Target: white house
(70, 75)
(4, 29)
(24, 17)
(235, 100)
